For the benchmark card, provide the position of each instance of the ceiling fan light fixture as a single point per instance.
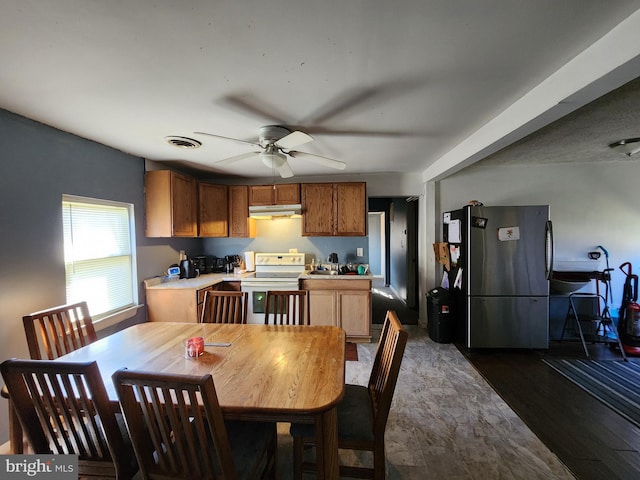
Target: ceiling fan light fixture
(272, 158)
(629, 146)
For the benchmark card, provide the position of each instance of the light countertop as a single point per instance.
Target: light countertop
(209, 279)
(202, 281)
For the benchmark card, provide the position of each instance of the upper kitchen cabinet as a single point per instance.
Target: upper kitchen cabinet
(170, 204)
(334, 209)
(317, 209)
(282, 194)
(350, 201)
(240, 225)
(213, 210)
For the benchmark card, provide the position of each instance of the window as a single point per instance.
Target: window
(99, 254)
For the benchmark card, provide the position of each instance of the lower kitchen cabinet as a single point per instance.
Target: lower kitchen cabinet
(175, 305)
(181, 304)
(342, 303)
(227, 286)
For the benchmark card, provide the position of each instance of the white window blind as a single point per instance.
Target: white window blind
(98, 253)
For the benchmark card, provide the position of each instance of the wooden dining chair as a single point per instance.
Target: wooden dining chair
(178, 431)
(63, 408)
(224, 307)
(50, 334)
(57, 331)
(287, 307)
(363, 412)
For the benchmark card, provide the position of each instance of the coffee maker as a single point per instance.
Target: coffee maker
(188, 269)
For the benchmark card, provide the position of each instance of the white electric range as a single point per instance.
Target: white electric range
(274, 271)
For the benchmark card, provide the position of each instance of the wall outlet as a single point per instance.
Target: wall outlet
(359, 252)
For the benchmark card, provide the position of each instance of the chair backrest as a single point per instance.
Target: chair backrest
(286, 307)
(57, 331)
(385, 369)
(172, 420)
(224, 307)
(63, 408)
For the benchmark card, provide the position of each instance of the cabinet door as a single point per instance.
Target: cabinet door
(287, 194)
(322, 307)
(317, 209)
(213, 210)
(170, 204)
(355, 312)
(227, 286)
(280, 194)
(183, 197)
(351, 209)
(239, 223)
(261, 194)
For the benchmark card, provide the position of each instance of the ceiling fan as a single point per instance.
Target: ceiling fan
(276, 143)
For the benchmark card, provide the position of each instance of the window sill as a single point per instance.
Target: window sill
(116, 318)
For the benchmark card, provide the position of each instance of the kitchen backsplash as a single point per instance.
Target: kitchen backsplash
(279, 235)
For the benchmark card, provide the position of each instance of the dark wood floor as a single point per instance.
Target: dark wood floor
(590, 438)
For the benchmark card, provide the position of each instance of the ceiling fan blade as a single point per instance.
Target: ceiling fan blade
(294, 139)
(236, 158)
(285, 170)
(228, 138)
(247, 103)
(319, 159)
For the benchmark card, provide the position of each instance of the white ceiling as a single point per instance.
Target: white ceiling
(414, 86)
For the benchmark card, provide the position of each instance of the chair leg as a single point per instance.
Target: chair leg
(379, 464)
(273, 456)
(16, 435)
(298, 447)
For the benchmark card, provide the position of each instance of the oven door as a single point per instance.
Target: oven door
(257, 296)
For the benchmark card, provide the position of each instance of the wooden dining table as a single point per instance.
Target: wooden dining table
(261, 372)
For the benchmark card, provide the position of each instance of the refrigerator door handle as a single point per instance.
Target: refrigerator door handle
(548, 250)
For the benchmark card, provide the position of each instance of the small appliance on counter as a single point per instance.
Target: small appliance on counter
(218, 265)
(188, 269)
(204, 263)
(232, 261)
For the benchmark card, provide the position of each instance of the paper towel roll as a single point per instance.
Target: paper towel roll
(250, 261)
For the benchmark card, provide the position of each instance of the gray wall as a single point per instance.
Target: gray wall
(37, 165)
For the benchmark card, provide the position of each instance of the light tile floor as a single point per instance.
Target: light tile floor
(446, 422)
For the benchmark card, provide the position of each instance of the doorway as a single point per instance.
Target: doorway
(377, 246)
(396, 220)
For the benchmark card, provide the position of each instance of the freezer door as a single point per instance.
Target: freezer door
(507, 250)
(508, 322)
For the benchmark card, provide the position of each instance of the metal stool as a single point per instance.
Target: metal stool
(600, 317)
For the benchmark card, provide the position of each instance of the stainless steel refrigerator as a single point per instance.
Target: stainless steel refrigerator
(500, 264)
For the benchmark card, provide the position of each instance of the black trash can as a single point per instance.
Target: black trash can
(440, 323)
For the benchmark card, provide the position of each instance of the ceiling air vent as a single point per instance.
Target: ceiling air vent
(183, 142)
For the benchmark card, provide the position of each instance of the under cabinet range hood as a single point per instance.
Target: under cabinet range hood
(270, 211)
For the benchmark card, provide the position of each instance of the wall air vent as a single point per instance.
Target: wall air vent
(183, 142)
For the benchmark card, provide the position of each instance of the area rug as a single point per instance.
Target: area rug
(614, 383)
(351, 352)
